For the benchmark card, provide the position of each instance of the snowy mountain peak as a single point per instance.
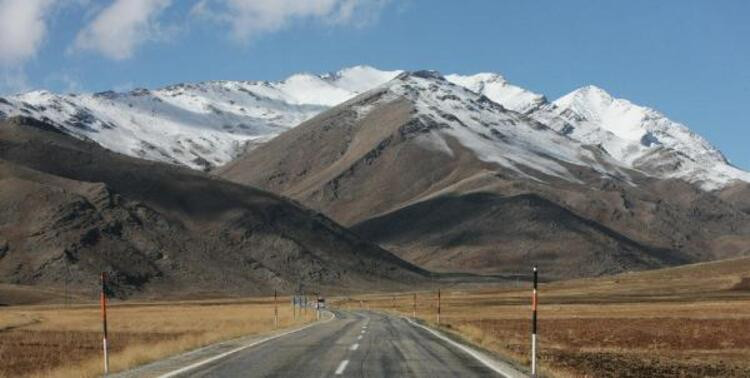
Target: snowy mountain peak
(360, 78)
(497, 89)
(639, 137)
(444, 110)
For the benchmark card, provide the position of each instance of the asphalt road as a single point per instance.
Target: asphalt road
(355, 344)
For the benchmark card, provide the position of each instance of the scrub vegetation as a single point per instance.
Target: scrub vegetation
(690, 321)
(59, 341)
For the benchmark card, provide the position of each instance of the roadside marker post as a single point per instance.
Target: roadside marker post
(275, 310)
(438, 309)
(103, 303)
(414, 315)
(533, 325)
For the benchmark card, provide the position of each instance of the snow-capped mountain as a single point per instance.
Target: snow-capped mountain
(639, 137)
(199, 125)
(205, 125)
(494, 133)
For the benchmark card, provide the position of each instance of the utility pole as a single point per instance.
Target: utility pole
(533, 325)
(438, 309)
(103, 303)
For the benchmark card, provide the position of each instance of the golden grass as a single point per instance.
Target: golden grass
(66, 342)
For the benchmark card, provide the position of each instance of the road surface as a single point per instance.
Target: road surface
(354, 344)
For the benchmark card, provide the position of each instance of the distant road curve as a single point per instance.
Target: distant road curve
(353, 344)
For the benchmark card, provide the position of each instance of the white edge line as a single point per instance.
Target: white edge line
(478, 356)
(235, 350)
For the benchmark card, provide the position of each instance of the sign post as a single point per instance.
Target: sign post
(103, 303)
(533, 325)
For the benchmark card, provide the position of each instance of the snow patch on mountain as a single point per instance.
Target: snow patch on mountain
(494, 133)
(497, 89)
(639, 137)
(200, 125)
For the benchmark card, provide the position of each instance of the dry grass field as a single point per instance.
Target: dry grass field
(58, 341)
(692, 321)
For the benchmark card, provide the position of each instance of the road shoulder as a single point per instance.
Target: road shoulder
(503, 368)
(185, 362)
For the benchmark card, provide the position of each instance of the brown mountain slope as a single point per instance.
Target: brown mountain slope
(69, 209)
(484, 232)
(389, 149)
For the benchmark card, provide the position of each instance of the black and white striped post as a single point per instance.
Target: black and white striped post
(533, 325)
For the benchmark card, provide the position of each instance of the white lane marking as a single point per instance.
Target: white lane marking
(363, 332)
(354, 347)
(498, 367)
(342, 367)
(235, 350)
(359, 337)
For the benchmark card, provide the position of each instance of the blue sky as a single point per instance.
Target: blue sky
(686, 58)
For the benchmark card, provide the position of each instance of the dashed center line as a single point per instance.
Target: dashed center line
(354, 347)
(359, 337)
(342, 367)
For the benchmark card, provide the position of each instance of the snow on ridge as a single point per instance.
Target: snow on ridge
(497, 89)
(207, 124)
(639, 137)
(199, 125)
(495, 134)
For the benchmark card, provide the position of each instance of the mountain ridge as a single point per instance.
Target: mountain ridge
(206, 125)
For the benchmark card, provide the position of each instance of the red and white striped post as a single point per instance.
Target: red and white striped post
(438, 308)
(414, 315)
(533, 325)
(103, 301)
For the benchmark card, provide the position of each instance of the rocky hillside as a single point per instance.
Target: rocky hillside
(70, 209)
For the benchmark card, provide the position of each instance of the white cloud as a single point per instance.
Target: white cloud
(13, 80)
(249, 18)
(120, 28)
(22, 29)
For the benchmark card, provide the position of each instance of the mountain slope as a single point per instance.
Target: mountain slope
(199, 125)
(485, 232)
(70, 209)
(412, 115)
(421, 139)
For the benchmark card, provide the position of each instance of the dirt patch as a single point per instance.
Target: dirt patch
(743, 285)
